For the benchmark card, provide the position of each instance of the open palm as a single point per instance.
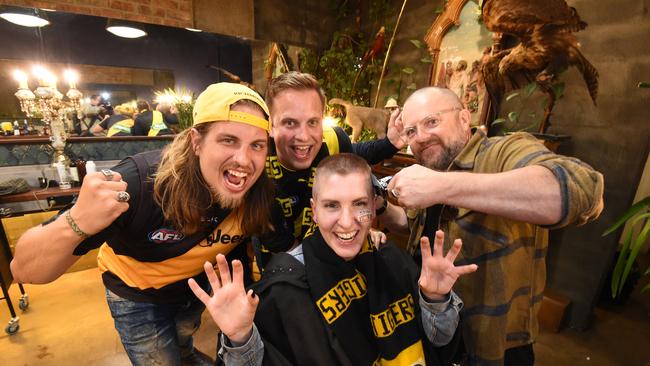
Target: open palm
(232, 309)
(439, 273)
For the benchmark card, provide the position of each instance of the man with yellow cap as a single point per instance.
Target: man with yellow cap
(158, 217)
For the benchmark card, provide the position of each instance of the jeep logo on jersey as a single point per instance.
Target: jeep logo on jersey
(165, 236)
(219, 238)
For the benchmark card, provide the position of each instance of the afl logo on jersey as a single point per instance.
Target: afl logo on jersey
(165, 236)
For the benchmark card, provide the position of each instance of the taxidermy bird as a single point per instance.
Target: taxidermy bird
(372, 52)
(547, 44)
(376, 48)
(359, 117)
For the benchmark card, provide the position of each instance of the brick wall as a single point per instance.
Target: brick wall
(174, 13)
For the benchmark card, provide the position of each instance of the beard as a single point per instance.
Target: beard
(445, 157)
(229, 201)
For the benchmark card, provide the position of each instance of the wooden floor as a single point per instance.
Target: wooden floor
(68, 323)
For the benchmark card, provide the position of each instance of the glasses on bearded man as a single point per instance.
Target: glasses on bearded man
(427, 125)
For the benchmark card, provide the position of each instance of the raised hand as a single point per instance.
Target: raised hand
(395, 128)
(438, 273)
(232, 309)
(98, 205)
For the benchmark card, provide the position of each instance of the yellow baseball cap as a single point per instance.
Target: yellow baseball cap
(213, 105)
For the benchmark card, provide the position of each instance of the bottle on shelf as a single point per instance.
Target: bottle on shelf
(81, 168)
(64, 180)
(74, 174)
(90, 167)
(27, 128)
(16, 129)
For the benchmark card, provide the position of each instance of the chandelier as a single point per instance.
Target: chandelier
(48, 103)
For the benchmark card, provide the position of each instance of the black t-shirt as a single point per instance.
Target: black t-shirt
(432, 221)
(430, 228)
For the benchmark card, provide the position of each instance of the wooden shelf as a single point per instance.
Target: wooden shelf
(39, 194)
(45, 140)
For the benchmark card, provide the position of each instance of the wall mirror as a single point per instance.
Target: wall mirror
(121, 69)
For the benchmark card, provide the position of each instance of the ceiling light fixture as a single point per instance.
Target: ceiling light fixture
(126, 29)
(27, 17)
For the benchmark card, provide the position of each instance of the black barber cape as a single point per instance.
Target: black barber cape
(332, 312)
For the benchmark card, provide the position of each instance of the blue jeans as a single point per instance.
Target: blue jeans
(155, 334)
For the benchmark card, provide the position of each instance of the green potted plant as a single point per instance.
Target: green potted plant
(639, 217)
(183, 100)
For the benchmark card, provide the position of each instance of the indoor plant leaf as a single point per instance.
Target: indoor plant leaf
(628, 254)
(558, 90)
(647, 287)
(530, 88)
(620, 264)
(635, 248)
(416, 43)
(629, 213)
(512, 95)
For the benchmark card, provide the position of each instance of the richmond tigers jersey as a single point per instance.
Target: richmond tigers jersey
(142, 257)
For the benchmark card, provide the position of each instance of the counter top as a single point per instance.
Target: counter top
(33, 139)
(39, 194)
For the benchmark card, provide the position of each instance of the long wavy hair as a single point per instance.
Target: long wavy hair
(185, 197)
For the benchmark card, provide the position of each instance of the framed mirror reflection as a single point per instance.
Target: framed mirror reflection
(115, 71)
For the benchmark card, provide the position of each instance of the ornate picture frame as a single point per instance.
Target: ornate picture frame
(459, 42)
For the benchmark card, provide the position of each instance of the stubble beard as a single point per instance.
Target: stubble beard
(446, 157)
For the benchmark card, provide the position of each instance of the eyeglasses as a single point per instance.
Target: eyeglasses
(427, 125)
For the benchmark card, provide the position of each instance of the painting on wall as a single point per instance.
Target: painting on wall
(459, 54)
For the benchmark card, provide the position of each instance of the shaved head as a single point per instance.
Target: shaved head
(341, 164)
(434, 94)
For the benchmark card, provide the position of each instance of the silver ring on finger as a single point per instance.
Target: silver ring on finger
(394, 193)
(123, 196)
(108, 174)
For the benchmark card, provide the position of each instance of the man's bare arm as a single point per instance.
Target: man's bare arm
(44, 253)
(531, 194)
